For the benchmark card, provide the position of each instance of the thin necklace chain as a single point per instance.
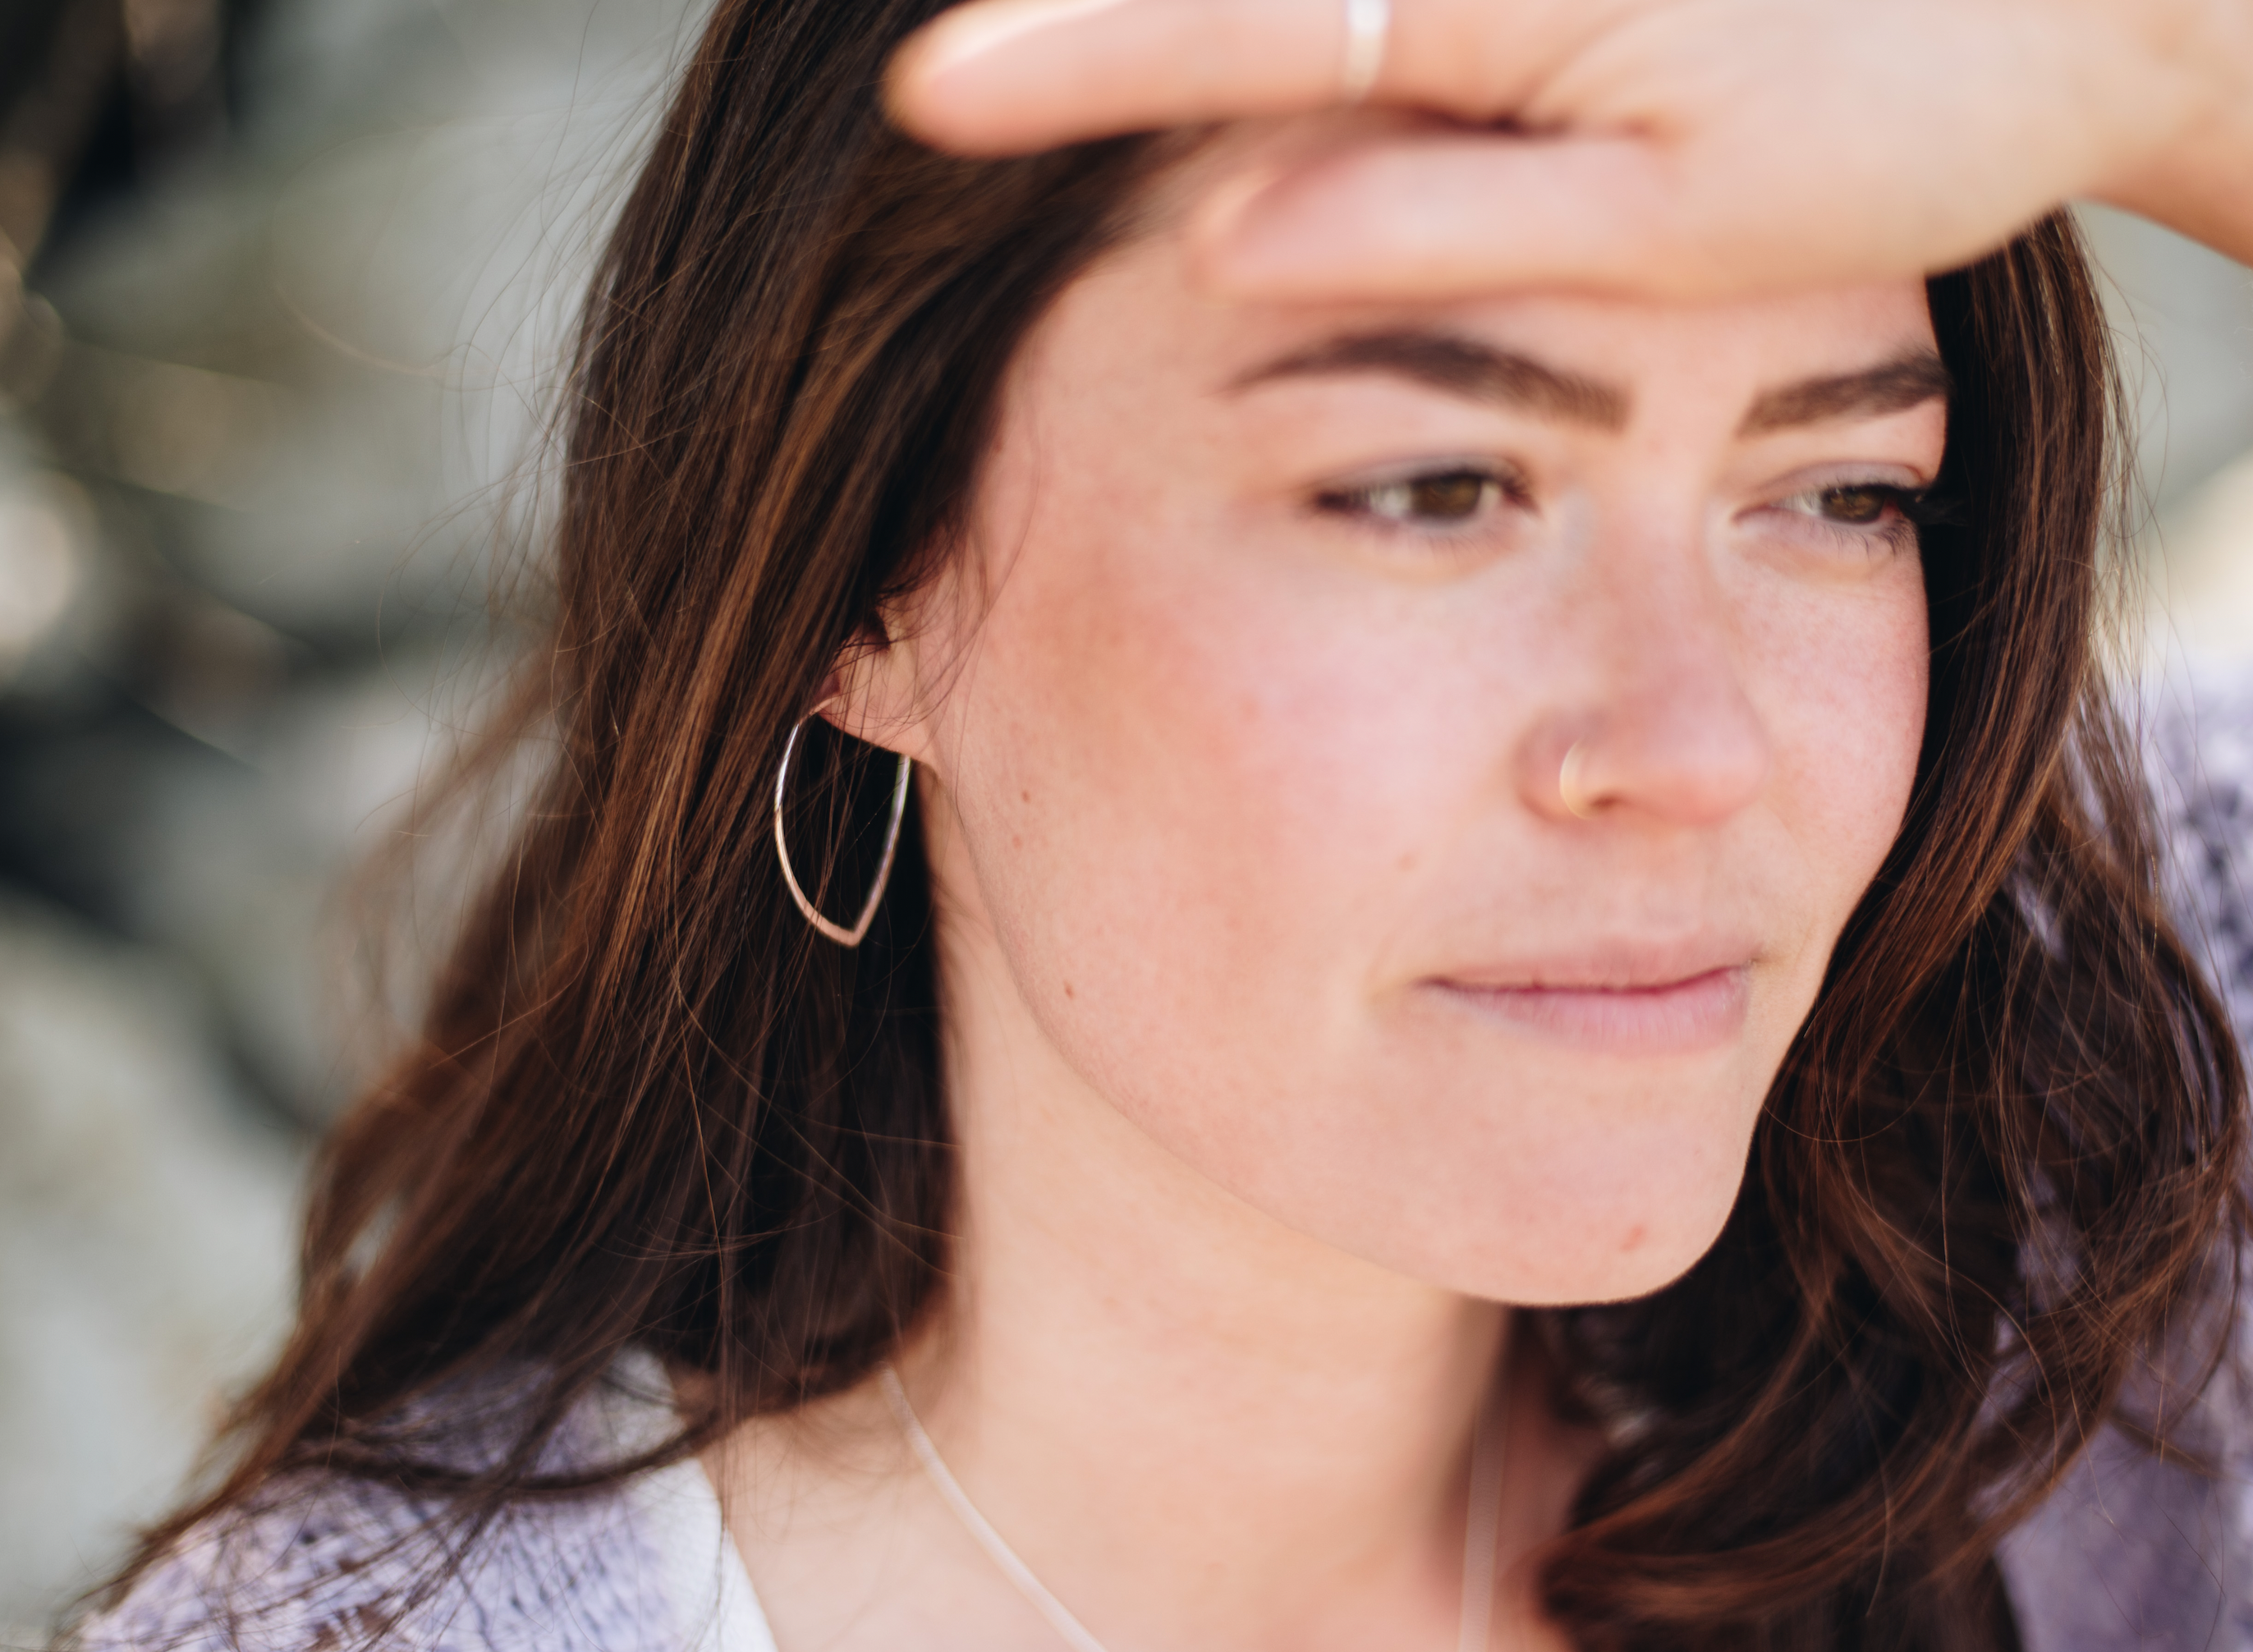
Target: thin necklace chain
(1481, 1520)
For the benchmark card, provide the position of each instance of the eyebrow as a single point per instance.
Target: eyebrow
(1890, 386)
(1468, 367)
(1482, 371)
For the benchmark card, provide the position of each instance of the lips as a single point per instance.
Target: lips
(1668, 1003)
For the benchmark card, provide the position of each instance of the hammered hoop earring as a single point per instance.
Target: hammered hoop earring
(838, 932)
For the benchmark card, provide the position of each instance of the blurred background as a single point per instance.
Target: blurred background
(283, 288)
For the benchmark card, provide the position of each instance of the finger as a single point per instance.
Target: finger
(1009, 76)
(1001, 77)
(1449, 217)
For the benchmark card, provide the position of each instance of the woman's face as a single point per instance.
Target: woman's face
(1415, 764)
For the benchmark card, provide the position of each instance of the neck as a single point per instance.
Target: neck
(1181, 1412)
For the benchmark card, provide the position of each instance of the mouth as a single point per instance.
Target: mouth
(1680, 1016)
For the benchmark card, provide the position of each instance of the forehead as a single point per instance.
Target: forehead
(1145, 304)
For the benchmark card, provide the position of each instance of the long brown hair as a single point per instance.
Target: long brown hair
(650, 1110)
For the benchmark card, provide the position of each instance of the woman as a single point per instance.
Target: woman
(1518, 1002)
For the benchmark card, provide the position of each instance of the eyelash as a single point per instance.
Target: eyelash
(1389, 504)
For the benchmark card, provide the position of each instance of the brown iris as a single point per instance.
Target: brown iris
(1444, 496)
(1856, 505)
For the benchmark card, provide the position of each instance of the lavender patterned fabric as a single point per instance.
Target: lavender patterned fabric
(2129, 1555)
(316, 1569)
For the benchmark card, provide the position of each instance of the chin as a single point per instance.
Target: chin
(1552, 1236)
(1651, 1266)
(1617, 1268)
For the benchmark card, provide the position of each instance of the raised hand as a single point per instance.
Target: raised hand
(1683, 147)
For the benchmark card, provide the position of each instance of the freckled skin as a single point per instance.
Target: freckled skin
(1256, 774)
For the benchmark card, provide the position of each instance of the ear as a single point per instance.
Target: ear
(876, 689)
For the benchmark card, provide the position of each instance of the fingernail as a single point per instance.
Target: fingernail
(971, 31)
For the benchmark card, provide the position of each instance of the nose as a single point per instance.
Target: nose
(1660, 726)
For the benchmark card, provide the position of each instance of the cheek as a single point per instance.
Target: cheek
(1177, 778)
(1842, 686)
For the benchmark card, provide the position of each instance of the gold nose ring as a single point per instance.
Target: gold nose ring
(1569, 790)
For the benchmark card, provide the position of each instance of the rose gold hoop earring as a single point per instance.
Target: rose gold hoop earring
(1568, 785)
(838, 932)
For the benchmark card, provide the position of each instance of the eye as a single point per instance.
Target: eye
(1854, 504)
(1452, 497)
(1858, 513)
(1860, 504)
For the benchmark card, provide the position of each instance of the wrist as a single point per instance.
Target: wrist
(2197, 178)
